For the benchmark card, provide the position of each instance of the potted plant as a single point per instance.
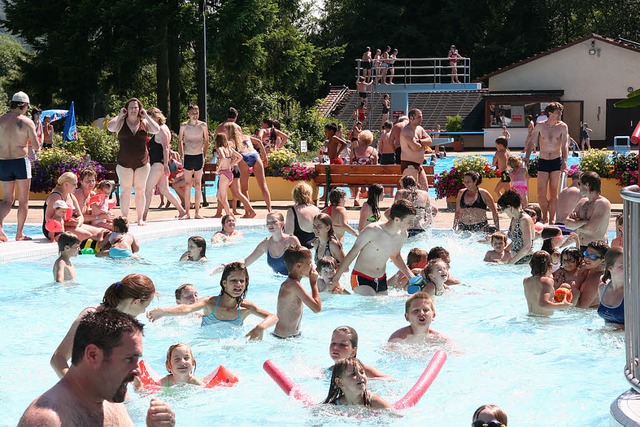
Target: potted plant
(454, 124)
(448, 183)
(282, 174)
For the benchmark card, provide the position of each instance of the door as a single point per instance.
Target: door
(620, 121)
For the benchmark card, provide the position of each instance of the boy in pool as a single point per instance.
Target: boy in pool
(498, 253)
(292, 295)
(538, 288)
(68, 247)
(377, 243)
(419, 311)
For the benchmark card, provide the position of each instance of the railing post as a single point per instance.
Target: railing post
(631, 264)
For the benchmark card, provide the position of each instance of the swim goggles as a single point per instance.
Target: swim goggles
(479, 423)
(416, 284)
(592, 257)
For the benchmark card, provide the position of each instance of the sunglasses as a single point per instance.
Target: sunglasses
(416, 284)
(592, 257)
(479, 423)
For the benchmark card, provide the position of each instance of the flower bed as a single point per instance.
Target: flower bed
(281, 163)
(448, 183)
(54, 162)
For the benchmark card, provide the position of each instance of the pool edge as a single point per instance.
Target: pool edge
(625, 410)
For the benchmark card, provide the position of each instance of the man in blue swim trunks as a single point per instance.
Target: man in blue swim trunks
(553, 138)
(17, 131)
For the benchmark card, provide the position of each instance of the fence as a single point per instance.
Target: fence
(631, 256)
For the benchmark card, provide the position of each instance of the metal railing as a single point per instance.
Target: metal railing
(631, 258)
(421, 70)
(338, 97)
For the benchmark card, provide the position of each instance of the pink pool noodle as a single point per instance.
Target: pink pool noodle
(286, 384)
(424, 382)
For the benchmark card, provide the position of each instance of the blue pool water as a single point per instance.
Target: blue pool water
(561, 371)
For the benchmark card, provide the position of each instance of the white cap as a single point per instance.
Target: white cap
(60, 204)
(20, 97)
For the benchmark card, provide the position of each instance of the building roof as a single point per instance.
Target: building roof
(626, 44)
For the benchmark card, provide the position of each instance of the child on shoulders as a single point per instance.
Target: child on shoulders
(68, 247)
(498, 254)
(419, 311)
(538, 288)
(349, 386)
(292, 295)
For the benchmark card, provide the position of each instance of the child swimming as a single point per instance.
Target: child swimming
(68, 247)
(196, 250)
(434, 278)
(489, 416)
(349, 386)
(419, 311)
(498, 253)
(181, 365)
(344, 344)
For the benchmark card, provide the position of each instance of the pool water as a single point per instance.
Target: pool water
(561, 371)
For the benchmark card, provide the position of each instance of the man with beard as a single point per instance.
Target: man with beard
(106, 348)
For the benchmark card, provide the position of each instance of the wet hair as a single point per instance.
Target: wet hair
(365, 137)
(277, 214)
(181, 288)
(326, 262)
(105, 184)
(415, 255)
(294, 255)
(221, 140)
(167, 364)
(499, 235)
(418, 295)
(387, 125)
(599, 246)
(610, 258)
(232, 113)
(336, 195)
(401, 209)
(475, 177)
(134, 286)
(536, 208)
(302, 194)
(67, 177)
(573, 253)
(548, 233)
(339, 369)
(225, 218)
(332, 127)
(200, 242)
(540, 263)
(501, 140)
(514, 161)
(494, 410)
(408, 182)
(553, 106)
(156, 114)
(230, 268)
(413, 113)
(431, 266)
(592, 179)
(122, 224)
(510, 199)
(88, 172)
(326, 220)
(67, 239)
(437, 252)
(353, 335)
(373, 199)
(104, 329)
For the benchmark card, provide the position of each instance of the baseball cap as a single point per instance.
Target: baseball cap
(20, 97)
(60, 204)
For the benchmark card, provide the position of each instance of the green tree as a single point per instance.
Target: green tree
(11, 55)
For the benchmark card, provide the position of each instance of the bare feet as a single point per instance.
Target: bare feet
(23, 237)
(141, 223)
(184, 216)
(3, 237)
(251, 214)
(198, 216)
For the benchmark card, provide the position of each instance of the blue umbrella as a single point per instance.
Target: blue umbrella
(70, 132)
(54, 114)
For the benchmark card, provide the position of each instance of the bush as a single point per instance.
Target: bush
(597, 161)
(278, 159)
(625, 168)
(54, 162)
(448, 183)
(101, 145)
(533, 167)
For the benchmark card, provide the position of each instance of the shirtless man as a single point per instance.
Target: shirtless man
(553, 138)
(193, 142)
(17, 132)
(106, 348)
(335, 144)
(232, 116)
(568, 198)
(366, 64)
(394, 138)
(413, 141)
(590, 218)
(377, 243)
(292, 295)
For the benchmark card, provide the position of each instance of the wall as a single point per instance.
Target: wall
(590, 78)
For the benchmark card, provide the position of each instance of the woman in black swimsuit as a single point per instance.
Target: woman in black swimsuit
(299, 220)
(472, 204)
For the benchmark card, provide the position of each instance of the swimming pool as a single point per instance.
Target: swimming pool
(562, 371)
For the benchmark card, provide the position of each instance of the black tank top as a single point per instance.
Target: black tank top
(156, 151)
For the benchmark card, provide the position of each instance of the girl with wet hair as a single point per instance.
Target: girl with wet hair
(349, 386)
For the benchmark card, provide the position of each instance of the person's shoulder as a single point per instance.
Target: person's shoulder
(37, 415)
(401, 334)
(602, 202)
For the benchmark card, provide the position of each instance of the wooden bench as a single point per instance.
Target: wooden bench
(331, 176)
(209, 174)
(111, 175)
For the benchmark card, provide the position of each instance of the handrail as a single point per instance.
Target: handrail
(631, 255)
(337, 99)
(425, 70)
